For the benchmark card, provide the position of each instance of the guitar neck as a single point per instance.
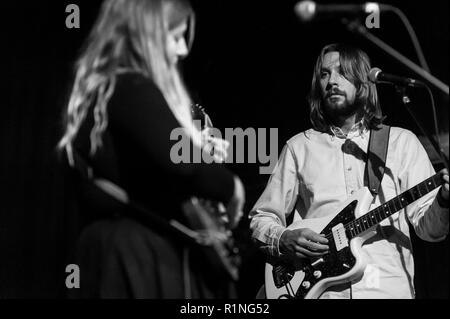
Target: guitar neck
(377, 215)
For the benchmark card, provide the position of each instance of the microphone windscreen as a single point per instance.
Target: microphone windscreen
(373, 74)
(305, 10)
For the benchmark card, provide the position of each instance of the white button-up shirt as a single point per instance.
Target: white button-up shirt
(316, 172)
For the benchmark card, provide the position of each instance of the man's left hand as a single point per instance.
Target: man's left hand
(444, 189)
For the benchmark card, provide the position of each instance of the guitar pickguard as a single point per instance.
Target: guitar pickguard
(338, 261)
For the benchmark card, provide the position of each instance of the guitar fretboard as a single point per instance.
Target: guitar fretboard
(392, 206)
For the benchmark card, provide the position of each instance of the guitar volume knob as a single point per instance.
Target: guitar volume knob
(317, 274)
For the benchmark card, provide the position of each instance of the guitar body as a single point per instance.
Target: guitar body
(308, 279)
(210, 222)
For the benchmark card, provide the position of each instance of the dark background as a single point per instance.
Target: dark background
(251, 66)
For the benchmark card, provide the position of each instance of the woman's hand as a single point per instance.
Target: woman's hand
(236, 204)
(216, 147)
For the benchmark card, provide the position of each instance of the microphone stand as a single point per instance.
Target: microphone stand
(406, 101)
(356, 27)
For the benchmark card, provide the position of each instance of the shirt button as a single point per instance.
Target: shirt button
(349, 168)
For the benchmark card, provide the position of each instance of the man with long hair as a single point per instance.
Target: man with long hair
(126, 100)
(322, 167)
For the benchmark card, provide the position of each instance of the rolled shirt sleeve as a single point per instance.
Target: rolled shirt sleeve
(429, 220)
(268, 216)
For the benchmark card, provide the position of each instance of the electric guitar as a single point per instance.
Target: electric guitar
(209, 220)
(346, 231)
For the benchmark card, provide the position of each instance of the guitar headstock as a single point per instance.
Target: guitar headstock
(199, 113)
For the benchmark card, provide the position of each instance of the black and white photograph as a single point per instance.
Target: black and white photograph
(224, 154)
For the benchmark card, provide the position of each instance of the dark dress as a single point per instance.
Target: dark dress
(119, 256)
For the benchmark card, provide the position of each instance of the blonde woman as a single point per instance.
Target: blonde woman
(127, 98)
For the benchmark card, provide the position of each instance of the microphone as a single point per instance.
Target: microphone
(378, 76)
(308, 10)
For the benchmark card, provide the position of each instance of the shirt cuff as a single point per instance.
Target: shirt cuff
(441, 201)
(280, 232)
(442, 222)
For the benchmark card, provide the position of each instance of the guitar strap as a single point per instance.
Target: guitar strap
(137, 210)
(139, 213)
(376, 158)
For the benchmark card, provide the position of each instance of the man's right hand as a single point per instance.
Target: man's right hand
(303, 243)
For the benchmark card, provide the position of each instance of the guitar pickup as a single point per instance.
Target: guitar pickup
(339, 236)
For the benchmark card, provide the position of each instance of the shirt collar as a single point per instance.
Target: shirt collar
(358, 129)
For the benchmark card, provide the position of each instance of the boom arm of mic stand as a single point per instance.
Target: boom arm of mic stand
(356, 27)
(401, 90)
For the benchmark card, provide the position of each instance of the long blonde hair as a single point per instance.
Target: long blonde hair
(128, 34)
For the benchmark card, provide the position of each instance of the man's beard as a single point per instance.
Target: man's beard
(340, 109)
